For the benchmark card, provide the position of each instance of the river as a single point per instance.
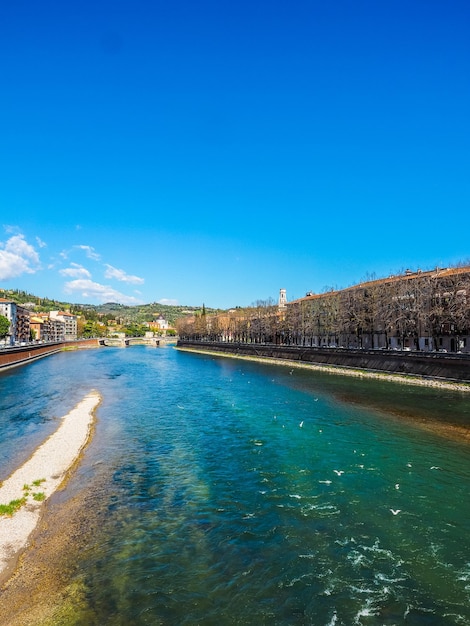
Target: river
(217, 491)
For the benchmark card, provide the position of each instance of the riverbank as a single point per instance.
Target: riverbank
(343, 371)
(23, 494)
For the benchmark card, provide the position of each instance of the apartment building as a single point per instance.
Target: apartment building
(69, 321)
(19, 319)
(411, 311)
(43, 328)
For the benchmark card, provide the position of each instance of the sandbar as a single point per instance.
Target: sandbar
(37, 479)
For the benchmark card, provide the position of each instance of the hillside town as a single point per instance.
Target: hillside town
(24, 326)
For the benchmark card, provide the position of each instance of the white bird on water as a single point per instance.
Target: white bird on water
(301, 424)
(395, 511)
(339, 472)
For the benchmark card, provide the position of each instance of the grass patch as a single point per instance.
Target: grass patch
(12, 506)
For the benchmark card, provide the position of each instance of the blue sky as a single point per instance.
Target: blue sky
(214, 152)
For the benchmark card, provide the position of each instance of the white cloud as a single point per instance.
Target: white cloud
(17, 257)
(11, 229)
(41, 243)
(113, 272)
(94, 291)
(90, 252)
(75, 271)
(168, 301)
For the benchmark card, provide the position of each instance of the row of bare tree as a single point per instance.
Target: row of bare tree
(419, 311)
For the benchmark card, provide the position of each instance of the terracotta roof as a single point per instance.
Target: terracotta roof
(435, 273)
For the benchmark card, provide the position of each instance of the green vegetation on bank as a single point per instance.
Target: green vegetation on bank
(12, 506)
(15, 505)
(4, 326)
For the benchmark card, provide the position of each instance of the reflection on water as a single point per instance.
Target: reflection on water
(238, 493)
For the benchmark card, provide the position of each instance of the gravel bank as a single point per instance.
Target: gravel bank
(35, 481)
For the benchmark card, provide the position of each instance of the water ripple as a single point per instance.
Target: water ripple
(233, 500)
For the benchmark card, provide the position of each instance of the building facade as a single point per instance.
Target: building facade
(413, 311)
(419, 311)
(19, 319)
(44, 328)
(69, 321)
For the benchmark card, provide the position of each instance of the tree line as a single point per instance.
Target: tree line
(412, 310)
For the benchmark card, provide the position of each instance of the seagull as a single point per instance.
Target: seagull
(397, 486)
(435, 467)
(339, 472)
(301, 424)
(395, 511)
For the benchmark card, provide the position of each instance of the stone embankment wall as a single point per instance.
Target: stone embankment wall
(429, 364)
(13, 357)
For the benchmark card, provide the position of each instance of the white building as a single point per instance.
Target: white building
(70, 322)
(8, 310)
(18, 317)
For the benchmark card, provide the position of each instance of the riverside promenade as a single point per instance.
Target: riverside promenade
(426, 365)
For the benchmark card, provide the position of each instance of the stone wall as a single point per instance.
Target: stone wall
(13, 357)
(430, 364)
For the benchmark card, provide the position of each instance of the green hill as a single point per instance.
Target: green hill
(124, 314)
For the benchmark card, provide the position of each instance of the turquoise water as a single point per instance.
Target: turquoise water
(241, 493)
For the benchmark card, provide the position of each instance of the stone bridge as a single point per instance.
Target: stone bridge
(120, 342)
